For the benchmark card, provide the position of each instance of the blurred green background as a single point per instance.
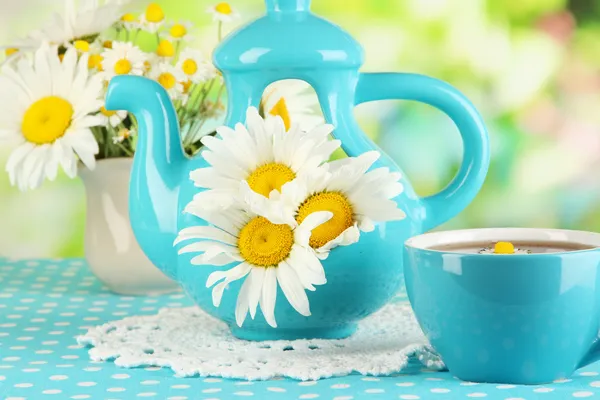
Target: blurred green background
(532, 67)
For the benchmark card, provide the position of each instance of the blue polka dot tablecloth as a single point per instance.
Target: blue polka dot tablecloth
(45, 304)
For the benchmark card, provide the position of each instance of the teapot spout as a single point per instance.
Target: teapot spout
(158, 165)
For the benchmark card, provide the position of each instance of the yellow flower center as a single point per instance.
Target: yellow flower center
(265, 244)
(124, 133)
(269, 177)
(223, 8)
(129, 17)
(187, 85)
(47, 120)
(280, 108)
(147, 66)
(504, 248)
(95, 61)
(82, 46)
(11, 51)
(106, 112)
(178, 31)
(165, 49)
(336, 203)
(61, 57)
(154, 13)
(107, 44)
(123, 67)
(167, 80)
(189, 67)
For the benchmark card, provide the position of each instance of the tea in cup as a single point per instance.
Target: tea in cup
(507, 305)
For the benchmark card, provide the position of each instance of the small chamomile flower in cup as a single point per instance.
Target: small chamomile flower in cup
(282, 258)
(170, 78)
(262, 154)
(153, 18)
(195, 66)
(112, 118)
(49, 107)
(503, 248)
(180, 31)
(222, 12)
(123, 59)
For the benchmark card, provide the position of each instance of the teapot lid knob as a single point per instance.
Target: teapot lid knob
(287, 5)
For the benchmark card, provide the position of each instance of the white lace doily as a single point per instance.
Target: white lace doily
(191, 342)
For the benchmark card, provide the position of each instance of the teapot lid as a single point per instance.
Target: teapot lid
(289, 36)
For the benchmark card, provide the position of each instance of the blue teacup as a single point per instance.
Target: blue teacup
(507, 318)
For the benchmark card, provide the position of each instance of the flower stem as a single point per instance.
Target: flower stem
(220, 31)
(135, 36)
(125, 149)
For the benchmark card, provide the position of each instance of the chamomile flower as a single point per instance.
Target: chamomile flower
(503, 248)
(262, 154)
(282, 257)
(79, 20)
(153, 19)
(180, 31)
(222, 12)
(357, 198)
(292, 100)
(111, 118)
(130, 22)
(123, 135)
(195, 66)
(11, 55)
(169, 77)
(165, 49)
(82, 46)
(123, 58)
(48, 111)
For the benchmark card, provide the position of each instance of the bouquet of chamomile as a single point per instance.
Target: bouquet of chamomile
(53, 84)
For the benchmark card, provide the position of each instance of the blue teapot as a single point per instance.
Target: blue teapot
(290, 42)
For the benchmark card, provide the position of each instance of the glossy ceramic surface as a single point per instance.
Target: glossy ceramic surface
(111, 249)
(290, 42)
(516, 319)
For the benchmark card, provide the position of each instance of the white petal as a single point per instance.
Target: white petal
(292, 288)
(206, 245)
(218, 261)
(16, 158)
(303, 232)
(303, 273)
(214, 199)
(241, 306)
(229, 220)
(306, 259)
(209, 178)
(237, 272)
(350, 236)
(206, 232)
(275, 211)
(257, 277)
(269, 296)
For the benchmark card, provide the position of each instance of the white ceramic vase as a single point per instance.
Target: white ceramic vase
(111, 249)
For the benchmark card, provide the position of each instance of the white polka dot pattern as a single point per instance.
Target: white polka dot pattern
(44, 304)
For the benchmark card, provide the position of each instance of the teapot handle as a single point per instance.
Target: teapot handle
(440, 207)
